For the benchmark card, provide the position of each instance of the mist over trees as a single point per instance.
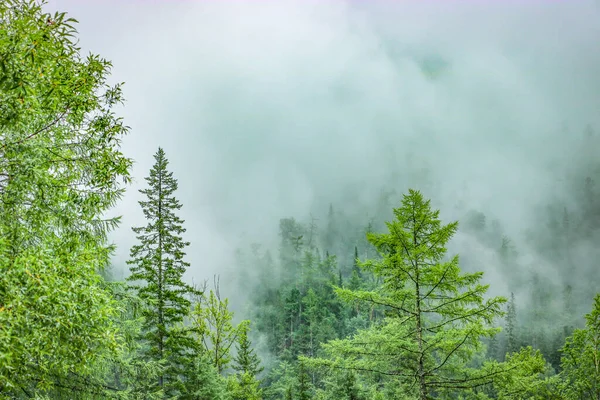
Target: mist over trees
(363, 298)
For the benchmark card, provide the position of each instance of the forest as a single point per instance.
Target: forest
(343, 307)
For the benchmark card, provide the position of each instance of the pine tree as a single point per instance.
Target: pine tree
(157, 268)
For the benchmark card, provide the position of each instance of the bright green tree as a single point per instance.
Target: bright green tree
(581, 358)
(524, 375)
(157, 268)
(61, 170)
(212, 321)
(436, 315)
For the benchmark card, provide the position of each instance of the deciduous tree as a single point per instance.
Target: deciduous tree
(61, 170)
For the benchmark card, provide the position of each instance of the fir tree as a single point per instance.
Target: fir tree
(246, 359)
(157, 268)
(244, 385)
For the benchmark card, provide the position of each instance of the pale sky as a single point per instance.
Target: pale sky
(269, 109)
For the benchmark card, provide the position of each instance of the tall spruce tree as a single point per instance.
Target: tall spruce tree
(157, 268)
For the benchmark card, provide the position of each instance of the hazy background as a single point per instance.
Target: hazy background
(269, 109)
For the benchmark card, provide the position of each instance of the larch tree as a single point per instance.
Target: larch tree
(581, 359)
(157, 269)
(435, 314)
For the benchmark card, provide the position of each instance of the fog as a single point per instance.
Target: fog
(269, 109)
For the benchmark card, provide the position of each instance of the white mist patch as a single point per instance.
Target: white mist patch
(267, 109)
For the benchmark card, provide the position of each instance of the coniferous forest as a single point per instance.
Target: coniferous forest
(344, 306)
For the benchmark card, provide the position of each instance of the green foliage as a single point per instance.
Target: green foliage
(60, 171)
(303, 386)
(246, 360)
(436, 315)
(203, 381)
(342, 385)
(581, 358)
(157, 268)
(55, 318)
(524, 375)
(212, 321)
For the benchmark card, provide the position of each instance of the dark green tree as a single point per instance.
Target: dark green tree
(157, 268)
(356, 279)
(203, 381)
(304, 386)
(512, 344)
(244, 385)
(246, 359)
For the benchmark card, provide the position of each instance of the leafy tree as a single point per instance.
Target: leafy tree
(61, 169)
(217, 334)
(436, 315)
(157, 268)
